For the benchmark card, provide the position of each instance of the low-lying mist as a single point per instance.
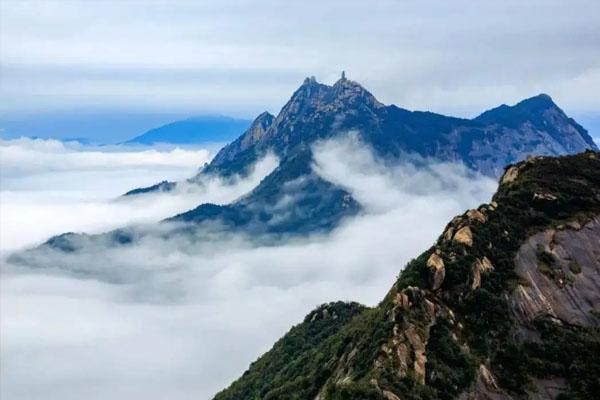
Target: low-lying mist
(182, 318)
(50, 187)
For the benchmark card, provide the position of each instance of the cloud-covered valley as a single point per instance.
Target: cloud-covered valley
(50, 187)
(182, 318)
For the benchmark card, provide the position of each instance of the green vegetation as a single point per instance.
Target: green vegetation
(574, 267)
(548, 265)
(567, 351)
(344, 358)
(449, 369)
(286, 364)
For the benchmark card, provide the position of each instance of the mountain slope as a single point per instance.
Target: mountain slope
(535, 126)
(496, 138)
(316, 112)
(292, 199)
(505, 305)
(195, 130)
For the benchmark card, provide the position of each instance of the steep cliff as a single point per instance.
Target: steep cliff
(505, 305)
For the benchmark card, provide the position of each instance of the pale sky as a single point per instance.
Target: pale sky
(242, 57)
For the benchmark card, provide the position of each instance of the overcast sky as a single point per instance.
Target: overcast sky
(241, 57)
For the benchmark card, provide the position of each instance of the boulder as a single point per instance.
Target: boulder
(448, 234)
(464, 236)
(435, 263)
(476, 215)
(510, 175)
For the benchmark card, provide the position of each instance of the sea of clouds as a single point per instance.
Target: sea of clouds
(192, 314)
(51, 187)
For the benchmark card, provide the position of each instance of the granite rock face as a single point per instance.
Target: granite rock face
(569, 289)
(249, 138)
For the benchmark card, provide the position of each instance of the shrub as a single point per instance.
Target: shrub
(574, 267)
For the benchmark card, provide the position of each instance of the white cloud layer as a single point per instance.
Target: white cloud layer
(49, 187)
(24, 157)
(198, 312)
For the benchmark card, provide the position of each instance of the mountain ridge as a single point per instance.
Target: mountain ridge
(418, 128)
(194, 130)
(347, 105)
(469, 318)
(318, 112)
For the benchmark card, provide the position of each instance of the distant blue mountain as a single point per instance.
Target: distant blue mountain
(92, 126)
(203, 129)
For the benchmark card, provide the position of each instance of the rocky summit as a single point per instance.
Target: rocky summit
(316, 111)
(504, 305)
(487, 143)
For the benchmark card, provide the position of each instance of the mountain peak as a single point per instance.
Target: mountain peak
(254, 134)
(351, 92)
(344, 81)
(530, 108)
(265, 116)
(540, 102)
(197, 129)
(309, 96)
(309, 81)
(343, 92)
(317, 111)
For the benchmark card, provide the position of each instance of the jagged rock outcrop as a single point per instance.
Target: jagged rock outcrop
(479, 267)
(464, 236)
(249, 138)
(436, 264)
(413, 315)
(496, 326)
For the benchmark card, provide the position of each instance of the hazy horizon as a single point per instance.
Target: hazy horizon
(241, 58)
(114, 126)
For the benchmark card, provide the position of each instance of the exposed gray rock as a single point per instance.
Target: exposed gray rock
(251, 137)
(575, 298)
